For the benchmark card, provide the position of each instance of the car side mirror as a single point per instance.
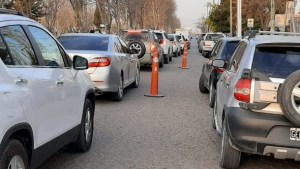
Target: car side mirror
(206, 54)
(219, 63)
(80, 63)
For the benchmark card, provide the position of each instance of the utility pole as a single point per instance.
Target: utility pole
(272, 15)
(231, 31)
(239, 18)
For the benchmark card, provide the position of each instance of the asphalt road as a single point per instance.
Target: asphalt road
(173, 132)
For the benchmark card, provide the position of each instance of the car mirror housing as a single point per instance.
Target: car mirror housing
(80, 63)
(219, 63)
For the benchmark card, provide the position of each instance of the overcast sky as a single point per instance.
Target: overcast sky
(189, 11)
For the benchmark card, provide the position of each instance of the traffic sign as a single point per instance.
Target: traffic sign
(250, 23)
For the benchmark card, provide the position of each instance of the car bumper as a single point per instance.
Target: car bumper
(105, 80)
(260, 133)
(146, 60)
(207, 49)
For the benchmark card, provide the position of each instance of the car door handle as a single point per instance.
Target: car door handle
(21, 80)
(59, 83)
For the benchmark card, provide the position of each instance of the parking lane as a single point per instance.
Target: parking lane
(173, 132)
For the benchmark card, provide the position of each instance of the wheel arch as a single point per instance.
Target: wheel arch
(23, 133)
(90, 94)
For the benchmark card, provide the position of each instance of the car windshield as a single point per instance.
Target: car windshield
(141, 36)
(171, 37)
(229, 49)
(214, 37)
(276, 61)
(84, 43)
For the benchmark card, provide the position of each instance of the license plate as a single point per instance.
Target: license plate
(295, 134)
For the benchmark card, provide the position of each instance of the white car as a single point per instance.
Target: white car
(165, 44)
(46, 101)
(176, 44)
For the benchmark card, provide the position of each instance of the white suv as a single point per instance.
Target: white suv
(46, 102)
(165, 44)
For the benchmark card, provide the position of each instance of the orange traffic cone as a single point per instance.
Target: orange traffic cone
(154, 76)
(184, 57)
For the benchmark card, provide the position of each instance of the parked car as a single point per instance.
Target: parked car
(257, 100)
(200, 37)
(181, 41)
(46, 101)
(223, 50)
(209, 42)
(176, 44)
(165, 44)
(112, 66)
(144, 42)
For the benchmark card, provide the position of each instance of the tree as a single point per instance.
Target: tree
(218, 18)
(31, 8)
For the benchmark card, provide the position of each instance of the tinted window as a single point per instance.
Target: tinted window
(84, 42)
(214, 37)
(128, 36)
(171, 37)
(229, 49)
(48, 47)
(237, 56)
(159, 36)
(4, 55)
(19, 46)
(276, 61)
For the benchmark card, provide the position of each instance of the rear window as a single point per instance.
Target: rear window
(141, 36)
(171, 37)
(276, 61)
(178, 37)
(84, 43)
(214, 37)
(229, 49)
(159, 36)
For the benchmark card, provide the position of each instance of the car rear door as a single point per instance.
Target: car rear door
(124, 61)
(132, 61)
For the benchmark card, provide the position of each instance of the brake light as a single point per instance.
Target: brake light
(100, 62)
(218, 70)
(152, 47)
(242, 90)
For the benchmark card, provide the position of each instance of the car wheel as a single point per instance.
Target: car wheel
(212, 94)
(138, 47)
(85, 136)
(14, 156)
(289, 97)
(136, 83)
(202, 88)
(166, 59)
(170, 58)
(161, 63)
(118, 96)
(176, 54)
(214, 115)
(230, 157)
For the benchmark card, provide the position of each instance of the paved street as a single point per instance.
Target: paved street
(173, 132)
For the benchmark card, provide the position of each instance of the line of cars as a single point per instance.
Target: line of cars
(254, 92)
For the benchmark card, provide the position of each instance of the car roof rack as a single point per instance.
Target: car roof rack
(252, 34)
(9, 11)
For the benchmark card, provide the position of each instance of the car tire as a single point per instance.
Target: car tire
(161, 63)
(286, 97)
(212, 94)
(118, 96)
(176, 54)
(85, 136)
(166, 59)
(138, 46)
(13, 152)
(214, 115)
(170, 58)
(230, 157)
(136, 83)
(202, 87)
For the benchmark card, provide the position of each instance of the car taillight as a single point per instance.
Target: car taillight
(173, 43)
(99, 62)
(242, 90)
(152, 47)
(218, 70)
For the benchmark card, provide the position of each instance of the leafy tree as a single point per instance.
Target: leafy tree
(218, 20)
(31, 8)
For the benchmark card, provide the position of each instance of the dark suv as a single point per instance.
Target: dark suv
(223, 49)
(258, 98)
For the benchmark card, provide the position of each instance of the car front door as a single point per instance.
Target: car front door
(225, 83)
(208, 64)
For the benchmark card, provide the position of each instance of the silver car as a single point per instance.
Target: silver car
(112, 66)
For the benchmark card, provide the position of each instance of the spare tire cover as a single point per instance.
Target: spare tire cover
(138, 47)
(289, 97)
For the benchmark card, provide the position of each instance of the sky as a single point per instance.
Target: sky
(189, 11)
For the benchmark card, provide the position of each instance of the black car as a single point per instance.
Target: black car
(210, 75)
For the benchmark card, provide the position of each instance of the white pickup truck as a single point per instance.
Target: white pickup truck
(209, 41)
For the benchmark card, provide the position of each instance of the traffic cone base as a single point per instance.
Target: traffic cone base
(158, 95)
(184, 67)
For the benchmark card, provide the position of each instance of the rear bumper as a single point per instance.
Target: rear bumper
(105, 79)
(259, 133)
(146, 60)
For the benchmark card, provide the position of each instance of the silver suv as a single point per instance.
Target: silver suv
(46, 101)
(143, 42)
(258, 98)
